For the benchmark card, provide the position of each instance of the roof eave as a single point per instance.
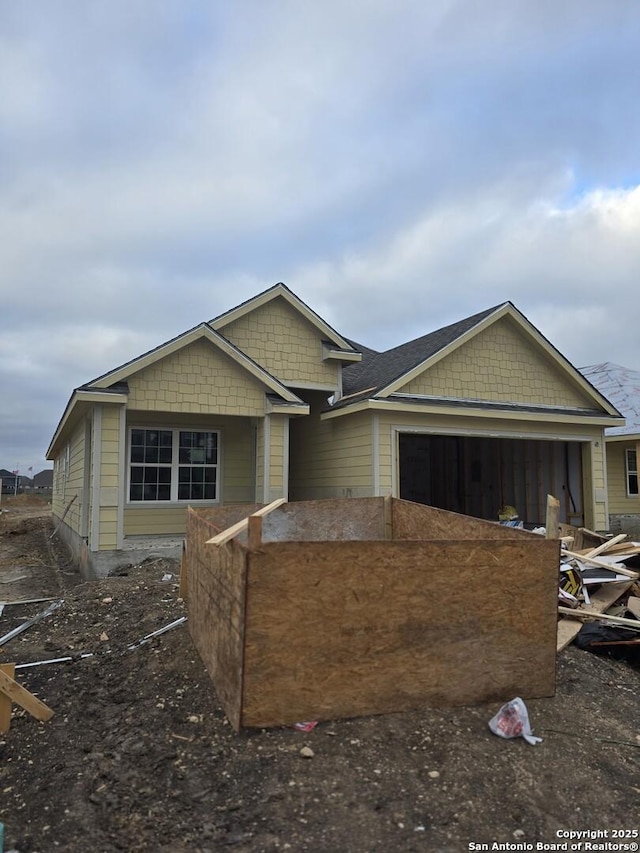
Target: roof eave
(79, 402)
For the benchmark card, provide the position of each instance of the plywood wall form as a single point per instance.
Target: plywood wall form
(367, 606)
(217, 603)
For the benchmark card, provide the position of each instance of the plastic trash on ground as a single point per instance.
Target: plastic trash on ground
(512, 720)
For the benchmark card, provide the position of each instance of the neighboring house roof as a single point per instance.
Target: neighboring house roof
(621, 385)
(44, 478)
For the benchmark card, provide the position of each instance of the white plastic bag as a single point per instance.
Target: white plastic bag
(512, 720)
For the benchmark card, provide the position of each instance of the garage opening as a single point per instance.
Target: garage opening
(477, 476)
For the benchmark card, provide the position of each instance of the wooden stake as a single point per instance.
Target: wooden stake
(254, 537)
(19, 694)
(388, 517)
(241, 526)
(553, 518)
(184, 576)
(5, 702)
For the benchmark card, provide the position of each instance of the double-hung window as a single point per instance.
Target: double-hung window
(173, 465)
(632, 472)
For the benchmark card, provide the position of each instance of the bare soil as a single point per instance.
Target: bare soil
(139, 756)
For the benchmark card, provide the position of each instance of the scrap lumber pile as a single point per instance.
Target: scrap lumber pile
(599, 583)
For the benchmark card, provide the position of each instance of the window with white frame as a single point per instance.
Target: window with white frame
(632, 472)
(173, 464)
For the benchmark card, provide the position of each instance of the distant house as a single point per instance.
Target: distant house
(268, 400)
(9, 481)
(621, 385)
(43, 480)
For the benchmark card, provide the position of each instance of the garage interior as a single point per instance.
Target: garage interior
(477, 476)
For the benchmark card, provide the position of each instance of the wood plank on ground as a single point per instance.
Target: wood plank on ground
(21, 696)
(5, 702)
(605, 596)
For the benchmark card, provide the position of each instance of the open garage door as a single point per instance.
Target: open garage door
(477, 476)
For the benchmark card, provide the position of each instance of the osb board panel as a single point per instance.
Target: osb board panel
(216, 606)
(339, 629)
(222, 517)
(418, 521)
(345, 518)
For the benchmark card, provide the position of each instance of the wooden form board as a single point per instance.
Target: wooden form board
(415, 521)
(328, 520)
(341, 629)
(216, 606)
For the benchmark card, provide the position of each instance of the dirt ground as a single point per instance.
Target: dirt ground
(139, 757)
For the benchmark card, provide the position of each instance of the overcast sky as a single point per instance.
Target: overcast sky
(399, 164)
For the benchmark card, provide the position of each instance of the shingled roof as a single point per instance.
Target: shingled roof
(377, 370)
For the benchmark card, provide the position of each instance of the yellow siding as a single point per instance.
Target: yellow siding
(619, 502)
(237, 471)
(283, 342)
(198, 379)
(499, 364)
(277, 463)
(330, 458)
(68, 480)
(154, 521)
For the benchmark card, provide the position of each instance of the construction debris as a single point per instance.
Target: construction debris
(592, 580)
(52, 607)
(11, 691)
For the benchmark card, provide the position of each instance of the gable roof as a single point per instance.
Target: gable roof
(621, 385)
(280, 290)
(112, 386)
(203, 330)
(380, 369)
(380, 375)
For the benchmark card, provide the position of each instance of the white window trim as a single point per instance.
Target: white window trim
(629, 471)
(175, 464)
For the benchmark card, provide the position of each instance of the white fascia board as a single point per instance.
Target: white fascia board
(74, 407)
(629, 437)
(467, 411)
(286, 408)
(330, 354)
